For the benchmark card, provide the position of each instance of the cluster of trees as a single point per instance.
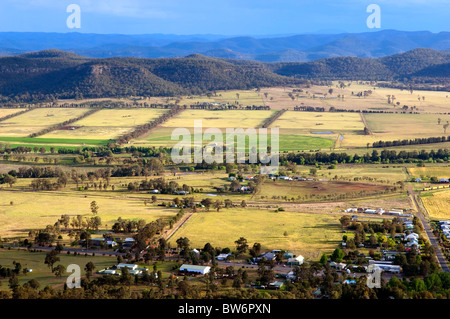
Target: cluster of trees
(386, 156)
(416, 141)
(159, 184)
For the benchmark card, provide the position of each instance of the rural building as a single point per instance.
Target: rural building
(296, 261)
(222, 256)
(194, 269)
(129, 266)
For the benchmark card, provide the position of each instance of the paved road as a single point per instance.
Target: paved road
(426, 225)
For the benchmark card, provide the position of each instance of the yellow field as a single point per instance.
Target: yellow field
(315, 121)
(439, 172)
(438, 204)
(107, 124)
(6, 112)
(219, 119)
(36, 120)
(35, 210)
(307, 234)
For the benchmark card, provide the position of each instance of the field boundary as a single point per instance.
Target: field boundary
(60, 125)
(7, 117)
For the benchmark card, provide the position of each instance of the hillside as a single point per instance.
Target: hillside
(43, 74)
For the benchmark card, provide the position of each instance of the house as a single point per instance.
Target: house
(370, 211)
(338, 266)
(276, 285)
(154, 191)
(380, 211)
(194, 269)
(444, 180)
(418, 180)
(196, 252)
(109, 272)
(412, 236)
(288, 255)
(351, 210)
(395, 269)
(223, 256)
(297, 261)
(181, 192)
(286, 178)
(268, 256)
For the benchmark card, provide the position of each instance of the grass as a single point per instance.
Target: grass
(307, 234)
(36, 120)
(41, 272)
(35, 210)
(107, 124)
(428, 171)
(437, 204)
(6, 112)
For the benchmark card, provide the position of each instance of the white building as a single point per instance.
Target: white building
(195, 269)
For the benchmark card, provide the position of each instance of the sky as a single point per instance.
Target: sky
(223, 17)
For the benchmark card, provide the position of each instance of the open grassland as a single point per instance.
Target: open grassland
(437, 204)
(318, 96)
(316, 190)
(21, 211)
(306, 234)
(219, 119)
(36, 120)
(41, 271)
(430, 171)
(107, 124)
(6, 112)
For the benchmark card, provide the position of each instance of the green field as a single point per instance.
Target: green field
(307, 234)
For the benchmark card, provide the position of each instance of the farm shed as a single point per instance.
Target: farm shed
(195, 269)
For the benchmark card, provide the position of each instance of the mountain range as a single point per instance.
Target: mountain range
(292, 48)
(50, 74)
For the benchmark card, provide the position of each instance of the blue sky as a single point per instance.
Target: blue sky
(225, 17)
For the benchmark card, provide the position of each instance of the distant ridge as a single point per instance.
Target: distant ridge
(292, 48)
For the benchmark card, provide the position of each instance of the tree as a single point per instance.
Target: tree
(255, 250)
(94, 207)
(323, 259)
(89, 268)
(59, 270)
(9, 179)
(51, 258)
(241, 245)
(337, 255)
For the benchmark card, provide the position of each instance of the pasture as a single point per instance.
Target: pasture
(21, 211)
(307, 234)
(430, 171)
(437, 204)
(36, 120)
(107, 124)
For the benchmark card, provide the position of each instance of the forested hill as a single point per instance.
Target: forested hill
(58, 74)
(62, 75)
(411, 65)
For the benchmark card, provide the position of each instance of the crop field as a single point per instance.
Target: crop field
(107, 124)
(437, 204)
(424, 172)
(21, 211)
(6, 112)
(315, 190)
(305, 234)
(36, 120)
(288, 139)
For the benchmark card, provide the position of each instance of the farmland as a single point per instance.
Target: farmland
(310, 234)
(107, 124)
(437, 204)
